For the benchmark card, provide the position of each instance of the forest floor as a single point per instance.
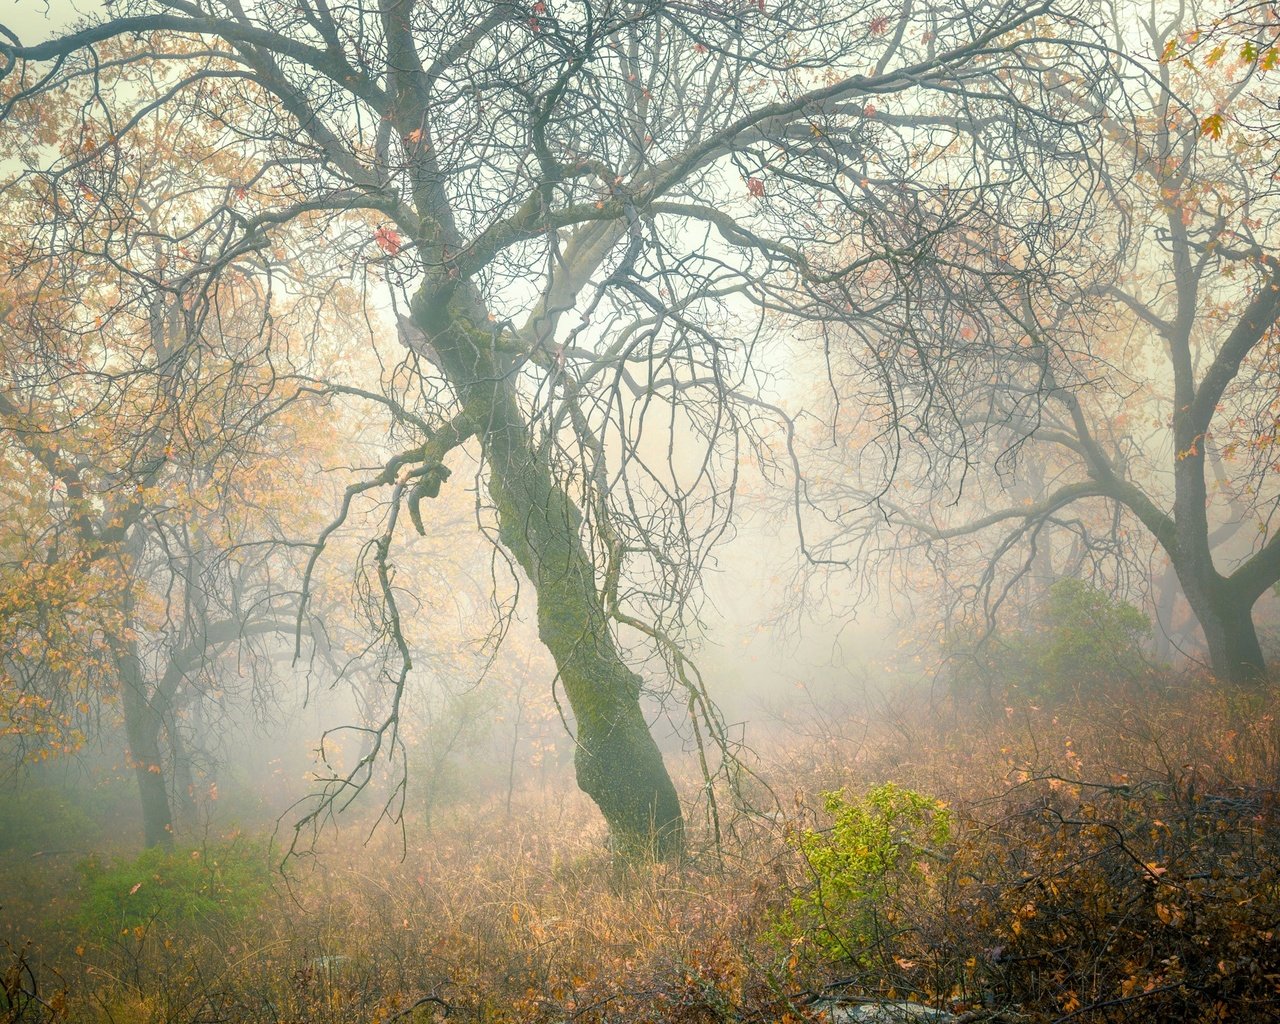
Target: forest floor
(1111, 859)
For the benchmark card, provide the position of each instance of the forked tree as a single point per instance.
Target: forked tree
(137, 565)
(590, 219)
(1121, 407)
(144, 503)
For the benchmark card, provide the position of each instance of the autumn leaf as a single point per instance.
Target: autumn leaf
(388, 240)
(1212, 126)
(756, 187)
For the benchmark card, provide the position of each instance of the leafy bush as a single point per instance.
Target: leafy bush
(876, 850)
(1089, 636)
(220, 883)
(1077, 640)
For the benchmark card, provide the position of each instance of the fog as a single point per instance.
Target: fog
(638, 512)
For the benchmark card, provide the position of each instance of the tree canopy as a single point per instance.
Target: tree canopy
(592, 235)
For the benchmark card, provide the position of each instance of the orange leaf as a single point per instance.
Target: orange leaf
(388, 240)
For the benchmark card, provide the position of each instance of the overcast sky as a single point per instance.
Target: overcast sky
(35, 20)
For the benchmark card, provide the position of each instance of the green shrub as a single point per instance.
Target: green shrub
(875, 852)
(1090, 636)
(218, 883)
(1077, 639)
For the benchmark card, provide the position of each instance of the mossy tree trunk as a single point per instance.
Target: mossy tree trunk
(616, 760)
(1226, 617)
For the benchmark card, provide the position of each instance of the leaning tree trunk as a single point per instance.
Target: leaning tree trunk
(617, 762)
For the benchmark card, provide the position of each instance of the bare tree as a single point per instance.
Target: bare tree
(583, 212)
(1138, 377)
(140, 572)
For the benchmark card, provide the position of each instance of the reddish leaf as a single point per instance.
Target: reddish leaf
(388, 240)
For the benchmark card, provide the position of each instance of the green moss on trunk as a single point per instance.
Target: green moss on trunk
(617, 762)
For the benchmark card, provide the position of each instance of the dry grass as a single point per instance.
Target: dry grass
(1112, 861)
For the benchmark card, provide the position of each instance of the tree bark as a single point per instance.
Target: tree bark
(1234, 651)
(1235, 655)
(617, 762)
(142, 724)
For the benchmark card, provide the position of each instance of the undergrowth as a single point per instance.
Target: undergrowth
(1110, 860)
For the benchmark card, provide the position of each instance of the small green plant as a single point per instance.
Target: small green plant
(875, 850)
(218, 883)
